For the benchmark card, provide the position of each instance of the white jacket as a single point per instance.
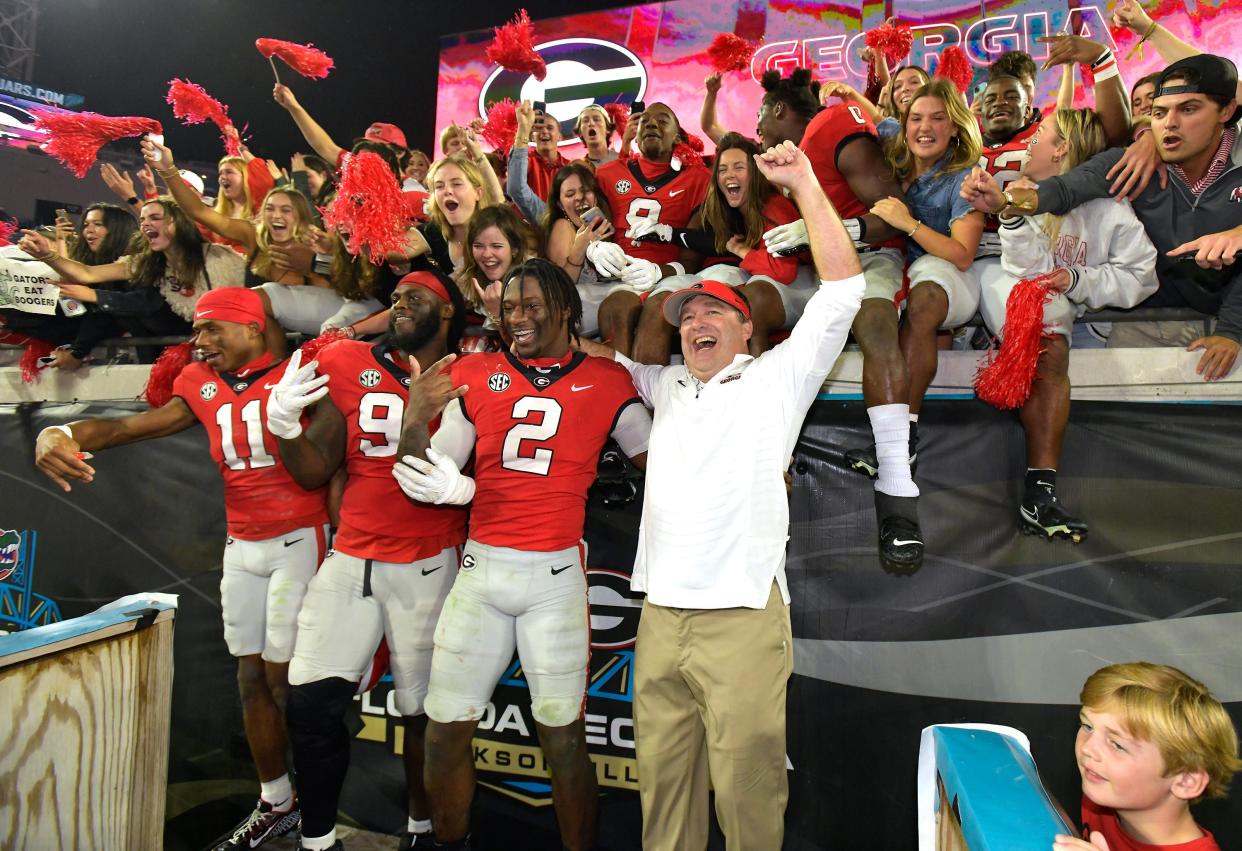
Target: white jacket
(715, 512)
(1110, 259)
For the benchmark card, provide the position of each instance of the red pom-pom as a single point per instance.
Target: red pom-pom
(369, 207)
(687, 155)
(76, 137)
(1005, 376)
(620, 115)
(893, 40)
(32, 350)
(192, 104)
(164, 372)
(311, 348)
(306, 60)
(1088, 76)
(956, 68)
(729, 52)
(513, 48)
(500, 129)
(8, 230)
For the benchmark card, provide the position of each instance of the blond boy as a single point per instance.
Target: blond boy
(1151, 742)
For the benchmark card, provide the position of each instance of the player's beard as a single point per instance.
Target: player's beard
(424, 330)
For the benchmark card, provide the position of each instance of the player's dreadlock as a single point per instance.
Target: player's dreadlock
(559, 292)
(797, 91)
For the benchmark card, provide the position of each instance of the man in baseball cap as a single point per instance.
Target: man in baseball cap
(389, 134)
(714, 322)
(1204, 73)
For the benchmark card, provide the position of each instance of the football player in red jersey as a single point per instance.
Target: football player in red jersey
(535, 421)
(277, 531)
(844, 149)
(393, 559)
(650, 201)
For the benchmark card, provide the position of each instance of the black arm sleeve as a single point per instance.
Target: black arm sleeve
(1059, 195)
(1229, 319)
(140, 301)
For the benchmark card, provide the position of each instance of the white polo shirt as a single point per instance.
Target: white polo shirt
(716, 513)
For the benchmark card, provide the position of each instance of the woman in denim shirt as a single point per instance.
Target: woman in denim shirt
(935, 152)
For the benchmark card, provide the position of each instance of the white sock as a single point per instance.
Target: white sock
(320, 843)
(278, 792)
(891, 426)
(416, 825)
(914, 418)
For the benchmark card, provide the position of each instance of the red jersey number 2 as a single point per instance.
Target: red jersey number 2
(538, 462)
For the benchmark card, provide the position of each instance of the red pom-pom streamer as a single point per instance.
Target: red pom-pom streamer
(311, 348)
(192, 104)
(1005, 376)
(32, 350)
(8, 230)
(956, 68)
(1088, 76)
(500, 129)
(306, 60)
(513, 48)
(687, 155)
(164, 372)
(620, 115)
(892, 40)
(76, 137)
(729, 52)
(369, 207)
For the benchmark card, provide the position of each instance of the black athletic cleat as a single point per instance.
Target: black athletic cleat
(901, 541)
(261, 826)
(416, 842)
(1045, 518)
(864, 460)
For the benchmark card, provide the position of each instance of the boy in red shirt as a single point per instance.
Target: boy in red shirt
(1151, 742)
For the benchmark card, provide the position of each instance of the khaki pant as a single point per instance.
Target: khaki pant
(710, 698)
(1147, 335)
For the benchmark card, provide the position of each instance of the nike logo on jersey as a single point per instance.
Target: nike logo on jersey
(557, 571)
(427, 572)
(673, 193)
(269, 386)
(291, 543)
(897, 542)
(575, 388)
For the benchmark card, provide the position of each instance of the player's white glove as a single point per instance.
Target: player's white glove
(297, 388)
(641, 275)
(652, 229)
(787, 239)
(436, 480)
(607, 257)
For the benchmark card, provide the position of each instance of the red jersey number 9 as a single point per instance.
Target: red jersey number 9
(379, 414)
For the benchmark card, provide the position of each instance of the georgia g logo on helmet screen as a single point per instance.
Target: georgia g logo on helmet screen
(581, 71)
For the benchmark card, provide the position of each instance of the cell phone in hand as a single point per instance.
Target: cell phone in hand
(63, 214)
(592, 214)
(638, 107)
(540, 107)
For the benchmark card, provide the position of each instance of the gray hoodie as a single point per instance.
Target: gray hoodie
(1171, 217)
